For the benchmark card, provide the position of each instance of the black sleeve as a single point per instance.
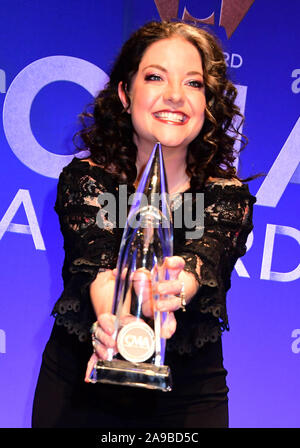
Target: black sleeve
(227, 223)
(89, 248)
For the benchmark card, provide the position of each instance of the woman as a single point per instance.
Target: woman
(168, 84)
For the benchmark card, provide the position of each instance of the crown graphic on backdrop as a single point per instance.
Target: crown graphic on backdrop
(231, 14)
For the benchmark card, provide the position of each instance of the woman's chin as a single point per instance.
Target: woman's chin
(172, 145)
(168, 141)
(171, 141)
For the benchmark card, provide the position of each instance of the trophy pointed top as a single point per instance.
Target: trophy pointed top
(153, 180)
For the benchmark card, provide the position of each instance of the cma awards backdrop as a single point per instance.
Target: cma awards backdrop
(55, 56)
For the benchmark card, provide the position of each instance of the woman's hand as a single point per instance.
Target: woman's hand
(169, 290)
(168, 301)
(103, 339)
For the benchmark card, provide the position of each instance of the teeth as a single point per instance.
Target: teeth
(171, 116)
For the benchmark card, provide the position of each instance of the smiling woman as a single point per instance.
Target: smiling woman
(169, 84)
(211, 153)
(167, 101)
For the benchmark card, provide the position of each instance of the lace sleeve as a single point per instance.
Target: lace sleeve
(211, 259)
(89, 248)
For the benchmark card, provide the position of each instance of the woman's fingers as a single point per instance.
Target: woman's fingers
(99, 336)
(169, 287)
(102, 350)
(167, 290)
(174, 265)
(126, 319)
(169, 299)
(106, 322)
(103, 335)
(99, 353)
(148, 307)
(169, 326)
(142, 283)
(90, 366)
(169, 304)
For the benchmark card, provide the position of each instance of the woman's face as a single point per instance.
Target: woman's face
(167, 95)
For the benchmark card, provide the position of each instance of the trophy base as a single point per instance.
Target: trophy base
(125, 373)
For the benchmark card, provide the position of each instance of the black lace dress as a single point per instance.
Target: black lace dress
(194, 353)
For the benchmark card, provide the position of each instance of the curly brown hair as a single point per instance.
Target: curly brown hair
(109, 137)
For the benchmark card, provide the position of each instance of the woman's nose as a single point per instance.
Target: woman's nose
(174, 93)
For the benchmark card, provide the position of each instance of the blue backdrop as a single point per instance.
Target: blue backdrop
(54, 57)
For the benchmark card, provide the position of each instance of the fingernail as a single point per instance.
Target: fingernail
(112, 343)
(161, 289)
(160, 306)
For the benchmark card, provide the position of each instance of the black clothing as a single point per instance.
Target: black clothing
(63, 399)
(194, 353)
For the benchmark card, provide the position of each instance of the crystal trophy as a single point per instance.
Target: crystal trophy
(147, 239)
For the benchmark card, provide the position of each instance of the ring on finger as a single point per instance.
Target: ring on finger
(95, 342)
(181, 295)
(93, 330)
(96, 331)
(94, 327)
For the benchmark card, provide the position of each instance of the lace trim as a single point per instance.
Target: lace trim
(73, 327)
(188, 343)
(83, 265)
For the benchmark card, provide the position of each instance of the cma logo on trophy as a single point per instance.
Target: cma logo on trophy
(136, 342)
(231, 13)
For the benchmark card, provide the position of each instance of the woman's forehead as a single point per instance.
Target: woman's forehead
(174, 51)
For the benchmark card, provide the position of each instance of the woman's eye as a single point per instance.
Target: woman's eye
(152, 77)
(195, 83)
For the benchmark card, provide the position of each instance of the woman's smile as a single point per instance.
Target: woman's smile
(171, 117)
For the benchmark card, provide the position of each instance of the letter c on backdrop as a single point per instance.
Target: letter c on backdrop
(20, 96)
